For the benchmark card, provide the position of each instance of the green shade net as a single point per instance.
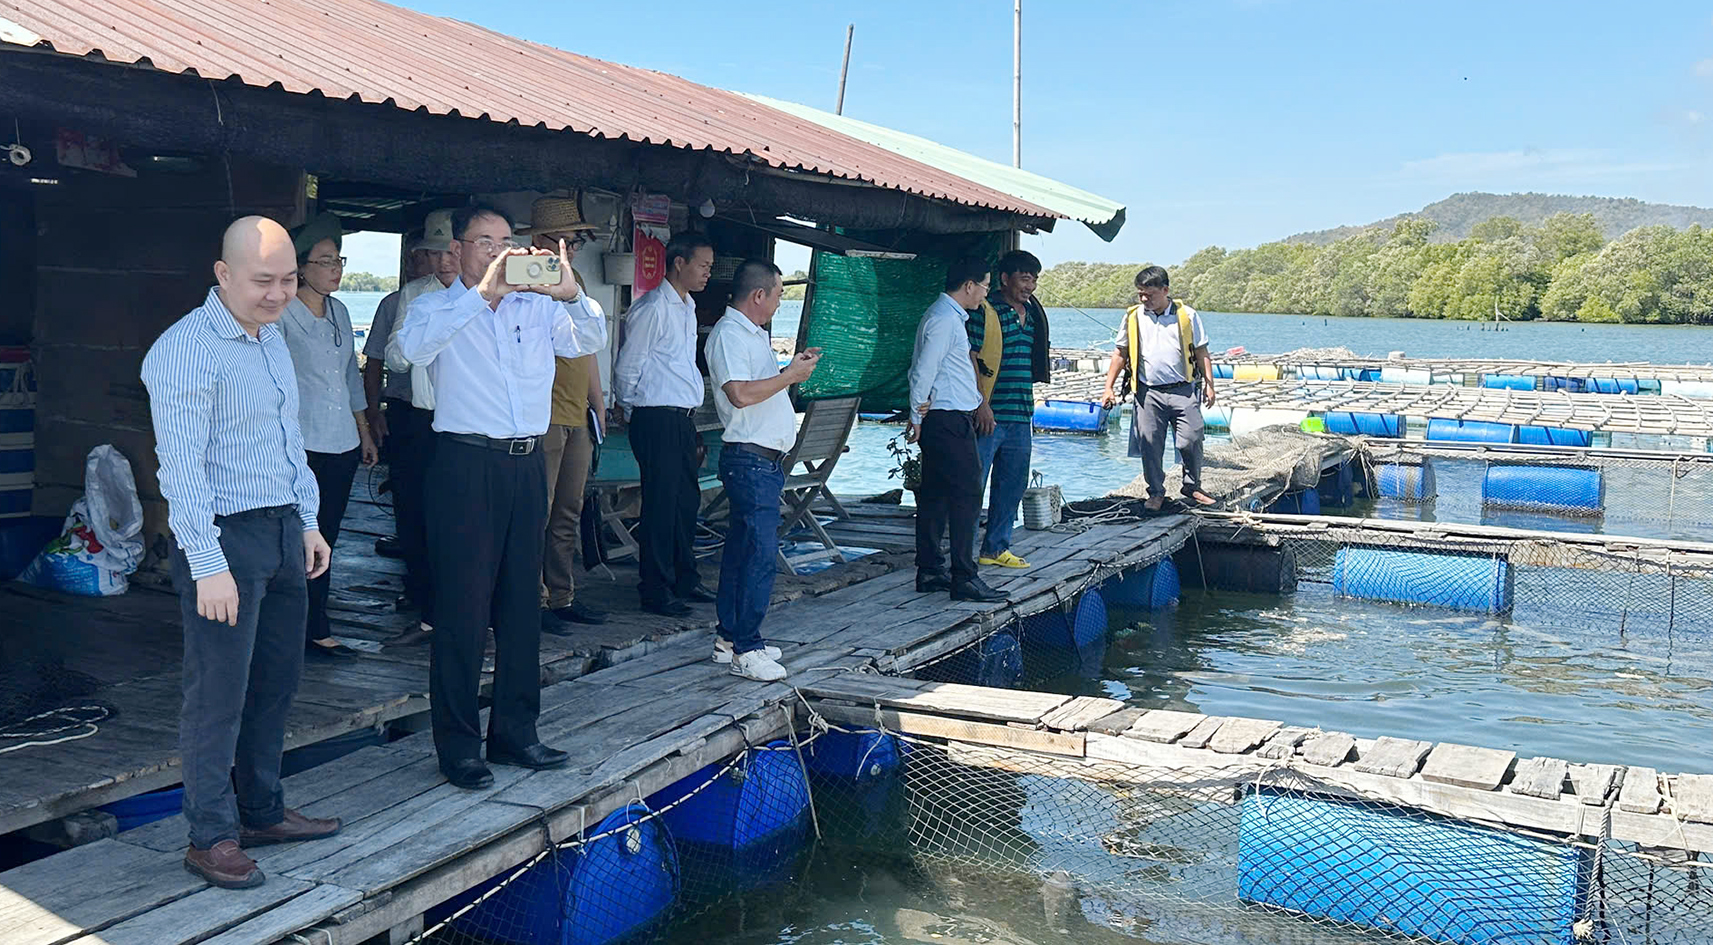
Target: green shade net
(862, 314)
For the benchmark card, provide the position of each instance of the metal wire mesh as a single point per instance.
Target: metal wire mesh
(1239, 855)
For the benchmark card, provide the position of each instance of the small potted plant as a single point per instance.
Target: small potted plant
(906, 463)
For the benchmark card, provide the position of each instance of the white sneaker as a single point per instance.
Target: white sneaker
(756, 664)
(723, 651)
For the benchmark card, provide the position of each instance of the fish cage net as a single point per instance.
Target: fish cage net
(1252, 852)
(1633, 594)
(1660, 495)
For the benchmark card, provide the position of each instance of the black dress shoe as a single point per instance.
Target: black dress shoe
(551, 624)
(977, 590)
(697, 594)
(467, 773)
(928, 582)
(579, 612)
(330, 650)
(667, 608)
(537, 756)
(388, 548)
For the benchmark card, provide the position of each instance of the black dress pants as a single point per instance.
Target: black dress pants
(410, 447)
(664, 441)
(487, 512)
(334, 473)
(950, 494)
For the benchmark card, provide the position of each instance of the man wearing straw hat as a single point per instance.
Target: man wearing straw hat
(569, 443)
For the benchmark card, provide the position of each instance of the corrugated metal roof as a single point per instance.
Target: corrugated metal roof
(1103, 216)
(379, 53)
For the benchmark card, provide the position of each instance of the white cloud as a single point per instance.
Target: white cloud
(1704, 67)
(1485, 169)
(1694, 117)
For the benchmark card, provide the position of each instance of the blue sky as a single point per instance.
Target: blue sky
(1229, 122)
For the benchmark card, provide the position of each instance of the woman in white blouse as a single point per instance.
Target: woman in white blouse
(332, 408)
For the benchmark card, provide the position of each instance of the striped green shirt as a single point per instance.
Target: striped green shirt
(1013, 397)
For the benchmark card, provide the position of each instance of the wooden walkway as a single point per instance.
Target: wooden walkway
(412, 841)
(1216, 758)
(1663, 415)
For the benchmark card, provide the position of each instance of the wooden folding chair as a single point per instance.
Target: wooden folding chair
(821, 440)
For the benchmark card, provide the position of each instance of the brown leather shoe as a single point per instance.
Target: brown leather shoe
(225, 865)
(294, 827)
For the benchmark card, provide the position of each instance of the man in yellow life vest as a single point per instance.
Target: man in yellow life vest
(1164, 345)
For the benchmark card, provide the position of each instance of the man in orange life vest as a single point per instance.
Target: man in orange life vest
(1163, 343)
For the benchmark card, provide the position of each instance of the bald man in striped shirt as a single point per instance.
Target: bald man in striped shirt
(241, 503)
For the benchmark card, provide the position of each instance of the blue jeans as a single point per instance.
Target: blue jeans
(1006, 452)
(752, 543)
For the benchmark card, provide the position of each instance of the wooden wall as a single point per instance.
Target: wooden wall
(17, 265)
(117, 261)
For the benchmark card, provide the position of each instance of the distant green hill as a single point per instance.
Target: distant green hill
(1458, 214)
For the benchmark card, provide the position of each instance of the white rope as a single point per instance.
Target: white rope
(80, 727)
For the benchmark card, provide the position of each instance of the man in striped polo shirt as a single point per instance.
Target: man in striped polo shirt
(241, 503)
(1007, 364)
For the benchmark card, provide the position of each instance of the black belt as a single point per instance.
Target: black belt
(266, 511)
(767, 453)
(519, 446)
(1149, 387)
(681, 411)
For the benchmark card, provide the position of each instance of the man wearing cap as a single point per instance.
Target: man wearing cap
(332, 409)
(569, 443)
(407, 423)
(242, 505)
(489, 347)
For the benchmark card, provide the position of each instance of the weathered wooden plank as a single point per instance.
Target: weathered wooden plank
(1480, 769)
(1641, 793)
(1077, 714)
(198, 915)
(1692, 798)
(286, 918)
(1240, 735)
(1394, 757)
(1203, 733)
(1328, 749)
(977, 702)
(1283, 743)
(1595, 783)
(1164, 725)
(87, 889)
(1174, 769)
(1540, 777)
(934, 726)
(1117, 723)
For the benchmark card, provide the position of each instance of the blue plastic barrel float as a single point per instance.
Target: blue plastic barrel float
(745, 830)
(1573, 490)
(1572, 385)
(1061, 640)
(1554, 436)
(859, 775)
(1407, 481)
(1408, 873)
(1304, 502)
(1070, 416)
(611, 889)
(1222, 371)
(1150, 588)
(1614, 385)
(1337, 486)
(1508, 382)
(1481, 583)
(996, 661)
(1364, 424)
(1470, 431)
(133, 812)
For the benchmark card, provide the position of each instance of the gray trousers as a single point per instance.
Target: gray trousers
(239, 681)
(1179, 407)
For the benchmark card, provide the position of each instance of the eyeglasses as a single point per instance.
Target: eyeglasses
(487, 244)
(331, 262)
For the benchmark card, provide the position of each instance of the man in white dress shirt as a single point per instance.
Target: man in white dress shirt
(943, 400)
(753, 398)
(489, 348)
(656, 382)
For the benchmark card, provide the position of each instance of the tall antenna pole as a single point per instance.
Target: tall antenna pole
(1016, 83)
(845, 69)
